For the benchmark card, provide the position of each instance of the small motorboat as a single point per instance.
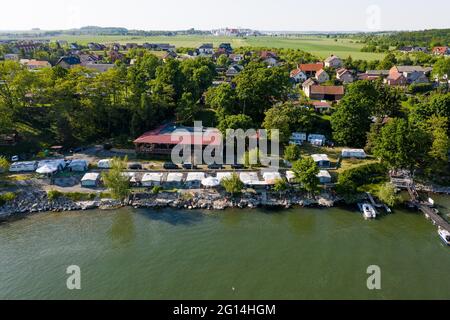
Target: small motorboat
(445, 236)
(369, 211)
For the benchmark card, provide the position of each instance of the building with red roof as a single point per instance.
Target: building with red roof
(162, 140)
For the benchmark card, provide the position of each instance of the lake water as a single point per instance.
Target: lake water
(235, 254)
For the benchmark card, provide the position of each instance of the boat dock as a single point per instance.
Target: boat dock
(407, 183)
(377, 205)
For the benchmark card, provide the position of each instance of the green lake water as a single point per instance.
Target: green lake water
(234, 254)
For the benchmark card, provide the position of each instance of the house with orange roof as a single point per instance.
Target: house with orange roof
(35, 64)
(441, 51)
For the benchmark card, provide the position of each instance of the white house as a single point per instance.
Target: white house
(317, 139)
(26, 166)
(297, 138)
(104, 164)
(333, 62)
(151, 179)
(298, 76)
(322, 160)
(322, 76)
(324, 177)
(11, 57)
(206, 49)
(354, 153)
(90, 180)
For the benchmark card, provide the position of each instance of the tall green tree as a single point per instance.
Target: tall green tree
(115, 180)
(306, 171)
(402, 145)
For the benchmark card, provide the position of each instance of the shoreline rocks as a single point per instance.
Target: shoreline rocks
(37, 201)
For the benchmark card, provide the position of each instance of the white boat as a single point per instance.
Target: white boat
(445, 236)
(369, 211)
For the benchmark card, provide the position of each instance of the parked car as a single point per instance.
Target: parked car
(215, 167)
(170, 166)
(15, 158)
(189, 166)
(135, 166)
(237, 166)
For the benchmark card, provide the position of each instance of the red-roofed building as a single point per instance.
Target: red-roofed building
(310, 69)
(162, 140)
(318, 92)
(441, 51)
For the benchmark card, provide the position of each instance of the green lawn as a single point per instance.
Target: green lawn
(317, 45)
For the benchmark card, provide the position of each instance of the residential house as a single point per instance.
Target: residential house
(412, 74)
(318, 92)
(206, 49)
(234, 70)
(35, 64)
(321, 106)
(226, 47)
(373, 75)
(441, 51)
(396, 79)
(269, 57)
(169, 55)
(322, 76)
(100, 67)
(96, 46)
(11, 57)
(68, 62)
(410, 49)
(298, 76)
(344, 75)
(115, 56)
(236, 58)
(310, 69)
(321, 160)
(88, 58)
(333, 62)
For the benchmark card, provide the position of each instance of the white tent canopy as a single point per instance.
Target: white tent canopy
(210, 182)
(47, 169)
(224, 175)
(271, 177)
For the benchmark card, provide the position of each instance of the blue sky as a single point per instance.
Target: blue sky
(279, 15)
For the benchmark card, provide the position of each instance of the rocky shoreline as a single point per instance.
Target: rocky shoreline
(37, 201)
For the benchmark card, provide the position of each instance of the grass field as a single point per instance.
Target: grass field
(320, 46)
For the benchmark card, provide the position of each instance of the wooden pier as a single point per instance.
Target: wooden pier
(426, 209)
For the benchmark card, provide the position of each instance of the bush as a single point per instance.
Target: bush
(7, 197)
(53, 195)
(233, 185)
(157, 189)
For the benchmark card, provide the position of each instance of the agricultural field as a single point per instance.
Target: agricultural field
(317, 45)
